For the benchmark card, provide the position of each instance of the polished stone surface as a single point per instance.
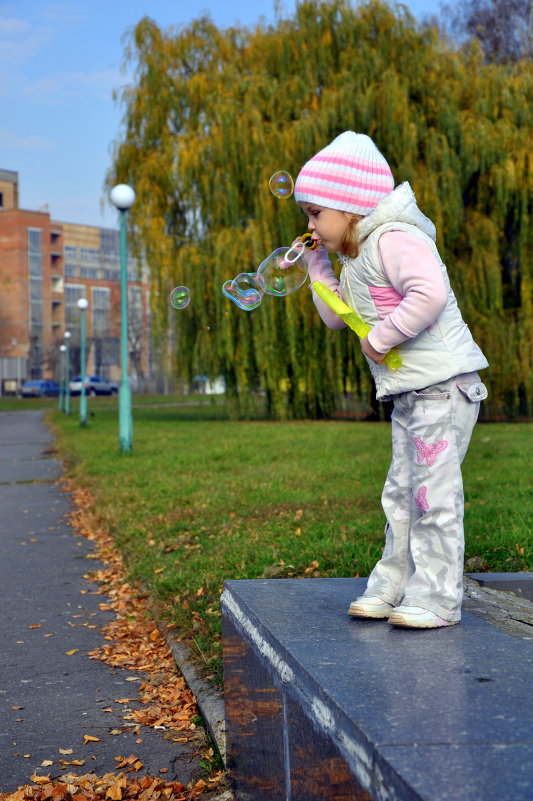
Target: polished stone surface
(431, 714)
(520, 584)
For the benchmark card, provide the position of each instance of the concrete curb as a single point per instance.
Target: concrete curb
(210, 703)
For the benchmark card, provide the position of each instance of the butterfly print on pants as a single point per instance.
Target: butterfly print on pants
(421, 499)
(429, 453)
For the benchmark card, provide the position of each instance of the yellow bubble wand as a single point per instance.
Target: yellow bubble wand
(352, 320)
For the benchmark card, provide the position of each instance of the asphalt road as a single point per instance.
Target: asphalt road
(48, 699)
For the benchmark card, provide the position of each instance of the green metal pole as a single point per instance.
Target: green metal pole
(61, 378)
(83, 394)
(124, 392)
(67, 377)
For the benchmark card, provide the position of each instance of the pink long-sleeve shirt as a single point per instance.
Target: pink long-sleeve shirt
(414, 301)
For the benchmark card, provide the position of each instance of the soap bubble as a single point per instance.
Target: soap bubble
(180, 297)
(284, 271)
(246, 290)
(281, 184)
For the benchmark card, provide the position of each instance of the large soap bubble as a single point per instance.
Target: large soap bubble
(284, 271)
(246, 290)
(281, 184)
(180, 297)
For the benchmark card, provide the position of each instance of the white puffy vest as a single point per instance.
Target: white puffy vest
(438, 353)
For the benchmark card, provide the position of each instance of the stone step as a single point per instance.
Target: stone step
(320, 706)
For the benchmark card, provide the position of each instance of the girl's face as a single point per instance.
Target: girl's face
(327, 226)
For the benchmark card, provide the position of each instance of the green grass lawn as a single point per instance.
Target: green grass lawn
(201, 499)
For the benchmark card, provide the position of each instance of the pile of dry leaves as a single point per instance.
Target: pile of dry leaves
(134, 642)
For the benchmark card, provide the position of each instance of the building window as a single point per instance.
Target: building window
(101, 311)
(89, 272)
(111, 275)
(90, 254)
(35, 252)
(35, 290)
(73, 292)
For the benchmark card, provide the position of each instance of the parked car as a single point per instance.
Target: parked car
(94, 385)
(39, 389)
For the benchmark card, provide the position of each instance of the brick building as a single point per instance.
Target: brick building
(45, 267)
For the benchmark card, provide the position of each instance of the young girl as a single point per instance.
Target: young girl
(393, 277)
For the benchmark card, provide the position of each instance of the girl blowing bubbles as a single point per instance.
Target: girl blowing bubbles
(393, 277)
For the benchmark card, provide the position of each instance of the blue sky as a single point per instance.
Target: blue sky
(59, 64)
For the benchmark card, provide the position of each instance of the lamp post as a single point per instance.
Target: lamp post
(62, 349)
(82, 306)
(122, 197)
(67, 372)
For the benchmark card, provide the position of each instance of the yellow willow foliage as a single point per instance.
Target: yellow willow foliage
(213, 113)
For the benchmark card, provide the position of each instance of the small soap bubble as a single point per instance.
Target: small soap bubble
(281, 184)
(281, 277)
(180, 297)
(249, 284)
(246, 290)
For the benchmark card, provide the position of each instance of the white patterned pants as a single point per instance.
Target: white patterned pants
(422, 562)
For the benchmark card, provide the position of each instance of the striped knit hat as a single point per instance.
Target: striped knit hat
(350, 174)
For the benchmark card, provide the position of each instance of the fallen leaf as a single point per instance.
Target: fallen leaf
(114, 792)
(46, 763)
(74, 651)
(115, 731)
(40, 779)
(35, 625)
(17, 707)
(88, 738)
(66, 751)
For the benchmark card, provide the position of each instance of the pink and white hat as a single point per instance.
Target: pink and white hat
(350, 174)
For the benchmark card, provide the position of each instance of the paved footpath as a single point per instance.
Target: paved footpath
(48, 699)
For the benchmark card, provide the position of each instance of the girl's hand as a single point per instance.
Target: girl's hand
(373, 354)
(318, 264)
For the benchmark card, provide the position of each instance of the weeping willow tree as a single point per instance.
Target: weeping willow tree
(213, 113)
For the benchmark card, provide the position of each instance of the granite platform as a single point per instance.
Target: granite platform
(321, 706)
(520, 584)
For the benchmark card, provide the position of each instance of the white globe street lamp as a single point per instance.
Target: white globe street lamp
(62, 350)
(67, 372)
(122, 197)
(82, 306)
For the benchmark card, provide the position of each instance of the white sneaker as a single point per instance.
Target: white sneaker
(414, 617)
(370, 606)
